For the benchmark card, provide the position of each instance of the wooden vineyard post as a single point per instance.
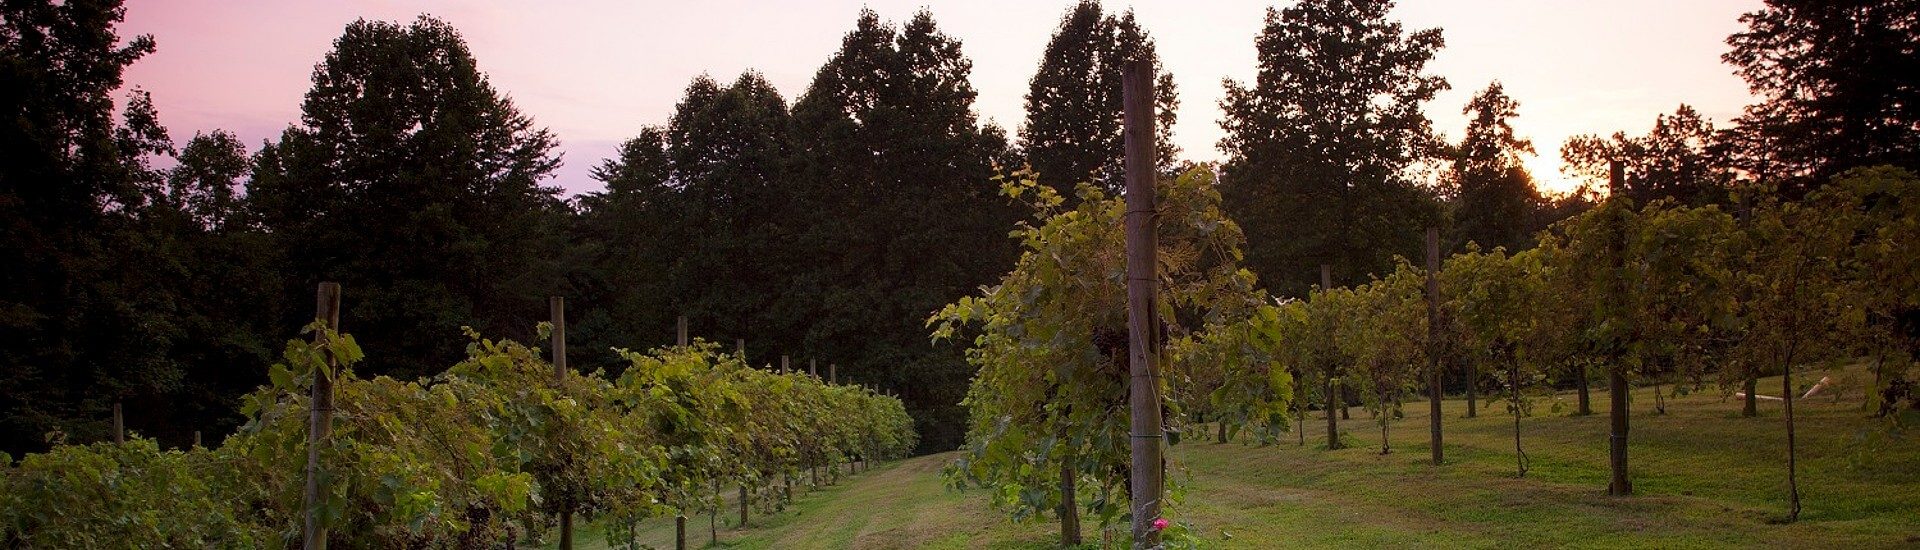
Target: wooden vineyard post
(1618, 484)
(119, 425)
(1332, 397)
(743, 505)
(813, 368)
(320, 417)
(833, 374)
(196, 438)
(680, 521)
(1433, 340)
(740, 346)
(783, 364)
(1148, 435)
(557, 316)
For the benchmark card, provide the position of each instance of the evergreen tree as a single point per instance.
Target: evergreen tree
(1074, 111)
(896, 214)
(415, 184)
(691, 222)
(1320, 143)
(1495, 202)
(1840, 82)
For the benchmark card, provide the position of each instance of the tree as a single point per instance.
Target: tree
(1320, 143)
(895, 214)
(413, 181)
(1681, 158)
(1049, 405)
(1495, 202)
(1791, 302)
(1385, 337)
(1840, 83)
(1072, 133)
(84, 326)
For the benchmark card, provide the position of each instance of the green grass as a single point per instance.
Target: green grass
(1704, 477)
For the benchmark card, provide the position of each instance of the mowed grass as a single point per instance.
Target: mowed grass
(1704, 477)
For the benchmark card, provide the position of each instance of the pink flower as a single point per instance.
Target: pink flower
(1160, 524)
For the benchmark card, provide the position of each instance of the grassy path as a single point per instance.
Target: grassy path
(1705, 477)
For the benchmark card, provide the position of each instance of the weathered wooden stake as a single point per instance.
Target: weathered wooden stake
(196, 438)
(743, 505)
(320, 417)
(119, 425)
(813, 368)
(1618, 484)
(1433, 340)
(1148, 435)
(680, 531)
(681, 334)
(783, 365)
(833, 373)
(557, 316)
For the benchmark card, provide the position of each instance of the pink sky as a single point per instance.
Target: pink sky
(594, 72)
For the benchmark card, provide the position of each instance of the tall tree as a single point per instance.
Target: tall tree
(1840, 82)
(1072, 134)
(898, 214)
(1496, 204)
(73, 310)
(415, 183)
(684, 204)
(1319, 145)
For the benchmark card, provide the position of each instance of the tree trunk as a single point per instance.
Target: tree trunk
(1221, 427)
(1513, 381)
(1300, 411)
(1385, 446)
(1659, 397)
(1793, 483)
(566, 528)
(1473, 383)
(1333, 420)
(743, 505)
(1586, 402)
(1619, 484)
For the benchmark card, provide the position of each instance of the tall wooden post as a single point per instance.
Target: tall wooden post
(740, 346)
(680, 531)
(196, 438)
(119, 425)
(783, 365)
(1618, 484)
(743, 505)
(680, 336)
(557, 316)
(833, 373)
(320, 417)
(1142, 270)
(1332, 397)
(1433, 340)
(813, 368)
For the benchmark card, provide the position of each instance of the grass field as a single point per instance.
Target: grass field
(1705, 477)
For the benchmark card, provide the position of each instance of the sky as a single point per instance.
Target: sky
(596, 71)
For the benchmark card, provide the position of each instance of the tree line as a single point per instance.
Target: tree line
(825, 227)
